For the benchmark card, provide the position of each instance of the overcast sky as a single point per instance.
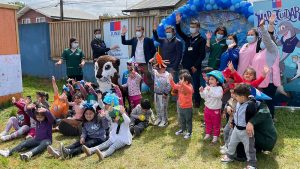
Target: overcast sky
(96, 7)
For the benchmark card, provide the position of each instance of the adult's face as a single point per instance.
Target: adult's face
(139, 32)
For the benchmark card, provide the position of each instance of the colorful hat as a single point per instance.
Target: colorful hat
(116, 113)
(77, 87)
(65, 88)
(258, 95)
(82, 82)
(132, 61)
(111, 99)
(217, 74)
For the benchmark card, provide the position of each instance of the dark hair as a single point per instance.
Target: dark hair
(145, 104)
(43, 94)
(207, 70)
(71, 41)
(78, 94)
(97, 30)
(250, 70)
(183, 71)
(242, 90)
(187, 77)
(221, 28)
(139, 26)
(218, 83)
(83, 114)
(235, 38)
(195, 22)
(255, 31)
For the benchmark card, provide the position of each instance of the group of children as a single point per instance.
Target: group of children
(104, 125)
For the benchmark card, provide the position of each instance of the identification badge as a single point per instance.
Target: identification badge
(190, 48)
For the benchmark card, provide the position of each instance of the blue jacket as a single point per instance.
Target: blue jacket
(149, 48)
(230, 55)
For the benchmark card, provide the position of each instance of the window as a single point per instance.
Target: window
(26, 21)
(40, 19)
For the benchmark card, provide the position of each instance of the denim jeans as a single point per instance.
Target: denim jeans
(36, 146)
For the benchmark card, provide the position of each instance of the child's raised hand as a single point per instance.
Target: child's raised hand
(82, 141)
(230, 66)
(208, 35)
(122, 109)
(42, 110)
(151, 60)
(31, 106)
(53, 79)
(170, 77)
(201, 89)
(13, 100)
(207, 88)
(266, 70)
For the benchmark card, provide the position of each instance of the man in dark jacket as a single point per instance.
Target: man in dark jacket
(170, 49)
(98, 45)
(143, 50)
(194, 53)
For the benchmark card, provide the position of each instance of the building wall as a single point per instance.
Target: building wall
(33, 15)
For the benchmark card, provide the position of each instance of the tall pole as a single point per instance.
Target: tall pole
(61, 10)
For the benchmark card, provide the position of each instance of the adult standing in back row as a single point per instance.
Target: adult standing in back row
(194, 53)
(143, 50)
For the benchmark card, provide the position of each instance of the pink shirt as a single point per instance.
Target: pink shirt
(133, 84)
(247, 53)
(77, 108)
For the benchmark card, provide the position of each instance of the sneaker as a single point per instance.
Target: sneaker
(4, 153)
(157, 122)
(223, 150)
(64, 151)
(99, 154)
(226, 159)
(86, 150)
(207, 136)
(3, 133)
(4, 138)
(53, 152)
(163, 124)
(26, 156)
(250, 167)
(187, 135)
(215, 140)
(179, 132)
(222, 147)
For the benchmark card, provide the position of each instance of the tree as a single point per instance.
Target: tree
(19, 4)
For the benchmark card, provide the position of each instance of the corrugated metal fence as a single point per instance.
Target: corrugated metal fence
(61, 32)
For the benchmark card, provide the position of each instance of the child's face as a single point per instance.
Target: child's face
(89, 115)
(232, 93)
(249, 76)
(28, 100)
(241, 99)
(212, 81)
(39, 98)
(39, 117)
(77, 100)
(129, 67)
(162, 70)
(205, 77)
(106, 106)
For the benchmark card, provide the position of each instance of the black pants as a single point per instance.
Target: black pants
(76, 148)
(196, 86)
(271, 91)
(77, 77)
(36, 145)
(137, 126)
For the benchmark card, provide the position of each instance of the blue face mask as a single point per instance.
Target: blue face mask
(169, 35)
(251, 39)
(262, 45)
(229, 42)
(219, 36)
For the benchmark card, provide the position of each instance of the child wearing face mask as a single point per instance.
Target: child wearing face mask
(43, 136)
(232, 53)
(119, 136)
(216, 47)
(212, 95)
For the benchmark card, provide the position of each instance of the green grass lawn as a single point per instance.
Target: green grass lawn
(159, 147)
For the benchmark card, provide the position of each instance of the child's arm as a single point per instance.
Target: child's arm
(173, 84)
(236, 77)
(187, 88)
(29, 110)
(54, 85)
(19, 105)
(48, 115)
(124, 115)
(72, 91)
(82, 90)
(150, 68)
(135, 113)
(83, 133)
(257, 82)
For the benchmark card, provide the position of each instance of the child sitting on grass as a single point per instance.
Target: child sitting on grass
(119, 136)
(20, 122)
(185, 102)
(140, 117)
(43, 136)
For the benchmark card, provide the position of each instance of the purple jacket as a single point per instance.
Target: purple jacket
(43, 129)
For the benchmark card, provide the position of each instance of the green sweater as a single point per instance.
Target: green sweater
(264, 130)
(216, 50)
(73, 59)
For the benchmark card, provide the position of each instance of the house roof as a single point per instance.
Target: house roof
(152, 4)
(54, 12)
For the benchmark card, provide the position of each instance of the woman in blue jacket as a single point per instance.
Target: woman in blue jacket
(231, 54)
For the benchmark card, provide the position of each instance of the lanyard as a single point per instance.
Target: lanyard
(192, 42)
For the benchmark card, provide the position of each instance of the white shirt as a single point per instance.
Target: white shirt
(124, 133)
(139, 52)
(212, 97)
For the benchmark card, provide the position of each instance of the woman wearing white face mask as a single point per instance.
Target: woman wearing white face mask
(74, 58)
(268, 54)
(232, 53)
(98, 45)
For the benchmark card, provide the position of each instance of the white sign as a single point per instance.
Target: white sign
(10, 75)
(112, 36)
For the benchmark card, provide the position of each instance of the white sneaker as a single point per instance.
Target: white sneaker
(157, 122)
(3, 133)
(4, 153)
(53, 152)
(215, 139)
(223, 150)
(222, 147)
(187, 135)
(163, 124)
(207, 136)
(179, 132)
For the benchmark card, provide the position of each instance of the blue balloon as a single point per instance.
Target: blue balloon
(232, 8)
(250, 9)
(243, 3)
(208, 7)
(237, 5)
(194, 8)
(215, 6)
(145, 88)
(212, 2)
(251, 19)
(207, 1)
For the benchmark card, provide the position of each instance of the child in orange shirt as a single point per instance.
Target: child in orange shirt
(185, 101)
